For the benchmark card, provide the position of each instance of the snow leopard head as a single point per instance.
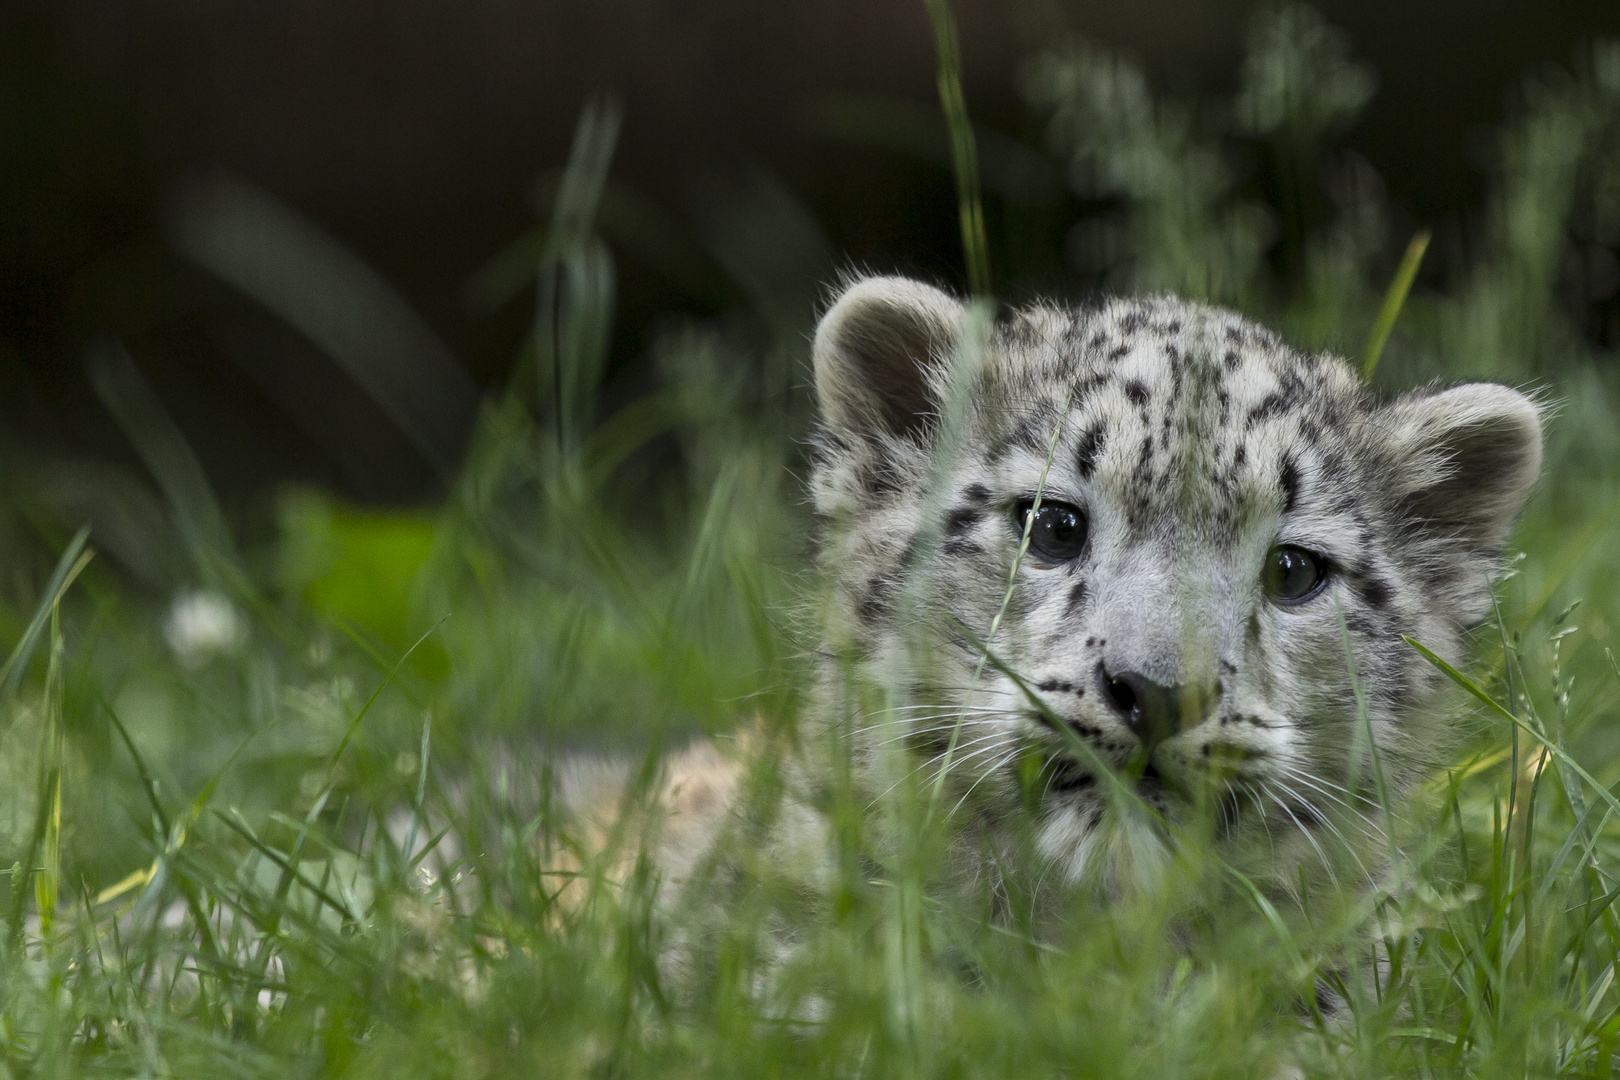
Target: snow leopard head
(1148, 545)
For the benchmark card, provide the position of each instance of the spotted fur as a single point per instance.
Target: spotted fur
(1194, 442)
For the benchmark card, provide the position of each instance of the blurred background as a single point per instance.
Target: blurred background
(416, 139)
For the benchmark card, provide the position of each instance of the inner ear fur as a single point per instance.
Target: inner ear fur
(1466, 460)
(879, 354)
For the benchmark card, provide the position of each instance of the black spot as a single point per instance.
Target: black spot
(1374, 590)
(881, 478)
(1288, 479)
(1144, 464)
(1232, 359)
(1077, 599)
(1019, 330)
(957, 546)
(1136, 391)
(1118, 351)
(1028, 434)
(960, 520)
(1270, 405)
(977, 494)
(875, 605)
(1085, 459)
(1085, 386)
(1240, 455)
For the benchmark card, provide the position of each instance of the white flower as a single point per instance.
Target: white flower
(202, 624)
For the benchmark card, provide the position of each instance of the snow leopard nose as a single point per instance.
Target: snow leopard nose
(1152, 711)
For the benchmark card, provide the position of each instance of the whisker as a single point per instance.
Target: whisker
(1340, 788)
(937, 757)
(1326, 864)
(926, 718)
(1334, 829)
(918, 734)
(965, 758)
(1231, 818)
(1366, 824)
(988, 772)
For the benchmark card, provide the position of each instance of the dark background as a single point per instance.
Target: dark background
(414, 133)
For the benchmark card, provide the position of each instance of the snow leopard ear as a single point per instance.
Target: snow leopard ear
(1466, 459)
(879, 354)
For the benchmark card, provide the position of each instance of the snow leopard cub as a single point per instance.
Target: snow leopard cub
(1131, 548)
(1210, 520)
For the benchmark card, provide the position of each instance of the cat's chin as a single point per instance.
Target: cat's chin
(1125, 851)
(1098, 847)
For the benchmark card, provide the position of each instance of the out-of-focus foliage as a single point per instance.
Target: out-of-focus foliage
(287, 807)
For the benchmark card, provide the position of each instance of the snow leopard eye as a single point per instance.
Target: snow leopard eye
(1058, 533)
(1293, 575)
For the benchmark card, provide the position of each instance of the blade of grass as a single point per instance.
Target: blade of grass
(1557, 751)
(1394, 300)
(964, 150)
(1366, 727)
(235, 822)
(421, 784)
(148, 782)
(354, 725)
(48, 800)
(47, 881)
(169, 459)
(68, 567)
(575, 287)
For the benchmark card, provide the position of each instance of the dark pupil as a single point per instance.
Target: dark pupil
(1294, 573)
(1059, 532)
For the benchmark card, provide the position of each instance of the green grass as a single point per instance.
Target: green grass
(308, 831)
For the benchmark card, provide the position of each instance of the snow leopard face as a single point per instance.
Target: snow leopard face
(1147, 548)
